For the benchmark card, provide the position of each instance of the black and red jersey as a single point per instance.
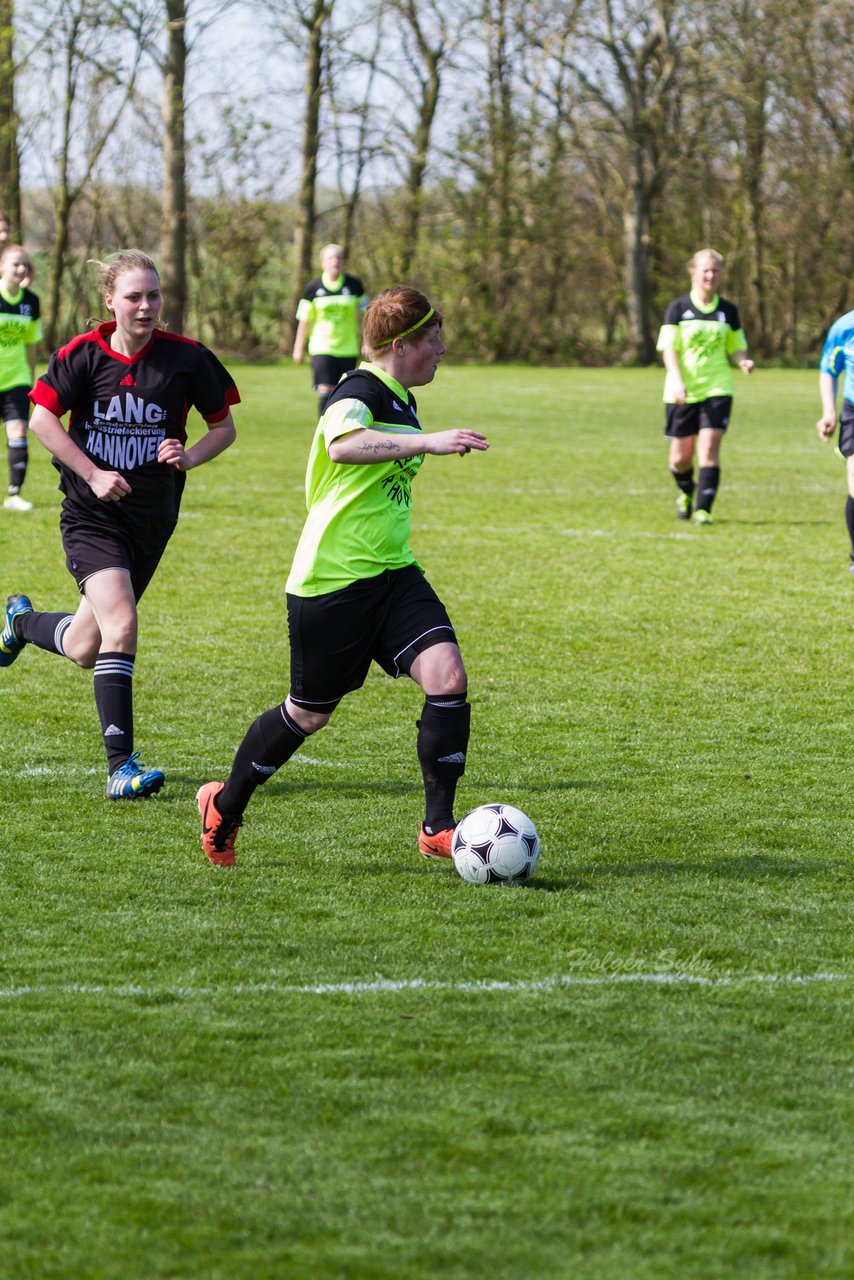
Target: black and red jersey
(123, 406)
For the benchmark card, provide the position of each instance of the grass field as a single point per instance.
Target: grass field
(336, 1061)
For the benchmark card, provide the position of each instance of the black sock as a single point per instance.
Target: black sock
(708, 480)
(44, 630)
(321, 403)
(684, 480)
(849, 520)
(443, 736)
(18, 453)
(269, 742)
(114, 700)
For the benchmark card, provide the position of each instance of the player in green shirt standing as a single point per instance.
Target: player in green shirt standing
(328, 319)
(20, 330)
(700, 340)
(356, 594)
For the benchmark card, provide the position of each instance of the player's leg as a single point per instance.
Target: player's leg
(71, 635)
(330, 643)
(112, 600)
(75, 636)
(714, 420)
(442, 744)
(328, 371)
(681, 430)
(418, 640)
(17, 449)
(846, 448)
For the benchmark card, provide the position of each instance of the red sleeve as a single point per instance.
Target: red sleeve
(48, 399)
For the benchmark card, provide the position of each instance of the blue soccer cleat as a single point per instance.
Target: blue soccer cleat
(10, 645)
(132, 781)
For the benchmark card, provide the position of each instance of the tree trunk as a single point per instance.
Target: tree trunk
(636, 272)
(306, 217)
(10, 186)
(174, 203)
(414, 190)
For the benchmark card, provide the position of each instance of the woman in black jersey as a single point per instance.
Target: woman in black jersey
(122, 462)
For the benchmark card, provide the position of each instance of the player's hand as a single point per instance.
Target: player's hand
(109, 486)
(459, 441)
(826, 426)
(173, 454)
(746, 366)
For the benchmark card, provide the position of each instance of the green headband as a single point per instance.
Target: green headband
(411, 329)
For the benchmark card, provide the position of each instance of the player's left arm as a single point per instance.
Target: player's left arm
(32, 354)
(369, 445)
(219, 436)
(737, 350)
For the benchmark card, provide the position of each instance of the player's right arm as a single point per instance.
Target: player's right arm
(676, 392)
(109, 486)
(299, 341)
(826, 425)
(831, 365)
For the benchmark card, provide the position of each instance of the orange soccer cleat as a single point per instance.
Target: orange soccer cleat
(437, 846)
(218, 834)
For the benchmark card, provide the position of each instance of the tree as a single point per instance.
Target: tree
(174, 206)
(305, 27)
(96, 88)
(10, 189)
(621, 115)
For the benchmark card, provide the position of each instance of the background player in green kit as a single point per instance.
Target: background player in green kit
(328, 317)
(356, 593)
(20, 331)
(699, 341)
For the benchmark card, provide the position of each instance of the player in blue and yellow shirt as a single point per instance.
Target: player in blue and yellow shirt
(356, 594)
(837, 359)
(20, 331)
(328, 321)
(699, 341)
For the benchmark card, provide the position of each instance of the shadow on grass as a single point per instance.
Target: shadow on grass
(291, 783)
(777, 523)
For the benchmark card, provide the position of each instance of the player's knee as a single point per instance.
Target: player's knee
(308, 721)
(82, 655)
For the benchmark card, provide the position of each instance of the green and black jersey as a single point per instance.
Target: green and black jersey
(331, 310)
(704, 337)
(358, 513)
(20, 327)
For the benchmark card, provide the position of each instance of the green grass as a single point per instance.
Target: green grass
(336, 1061)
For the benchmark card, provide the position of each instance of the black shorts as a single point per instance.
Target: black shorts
(688, 419)
(15, 404)
(846, 429)
(334, 638)
(328, 371)
(92, 545)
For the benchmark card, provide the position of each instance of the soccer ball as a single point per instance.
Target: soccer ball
(495, 844)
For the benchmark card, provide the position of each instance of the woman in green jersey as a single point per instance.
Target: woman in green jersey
(328, 318)
(20, 331)
(700, 341)
(355, 593)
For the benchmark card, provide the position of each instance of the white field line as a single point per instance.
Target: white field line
(390, 986)
(52, 771)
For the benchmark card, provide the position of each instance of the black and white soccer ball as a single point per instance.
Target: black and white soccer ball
(496, 844)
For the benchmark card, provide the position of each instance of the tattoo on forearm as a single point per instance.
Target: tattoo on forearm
(386, 446)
